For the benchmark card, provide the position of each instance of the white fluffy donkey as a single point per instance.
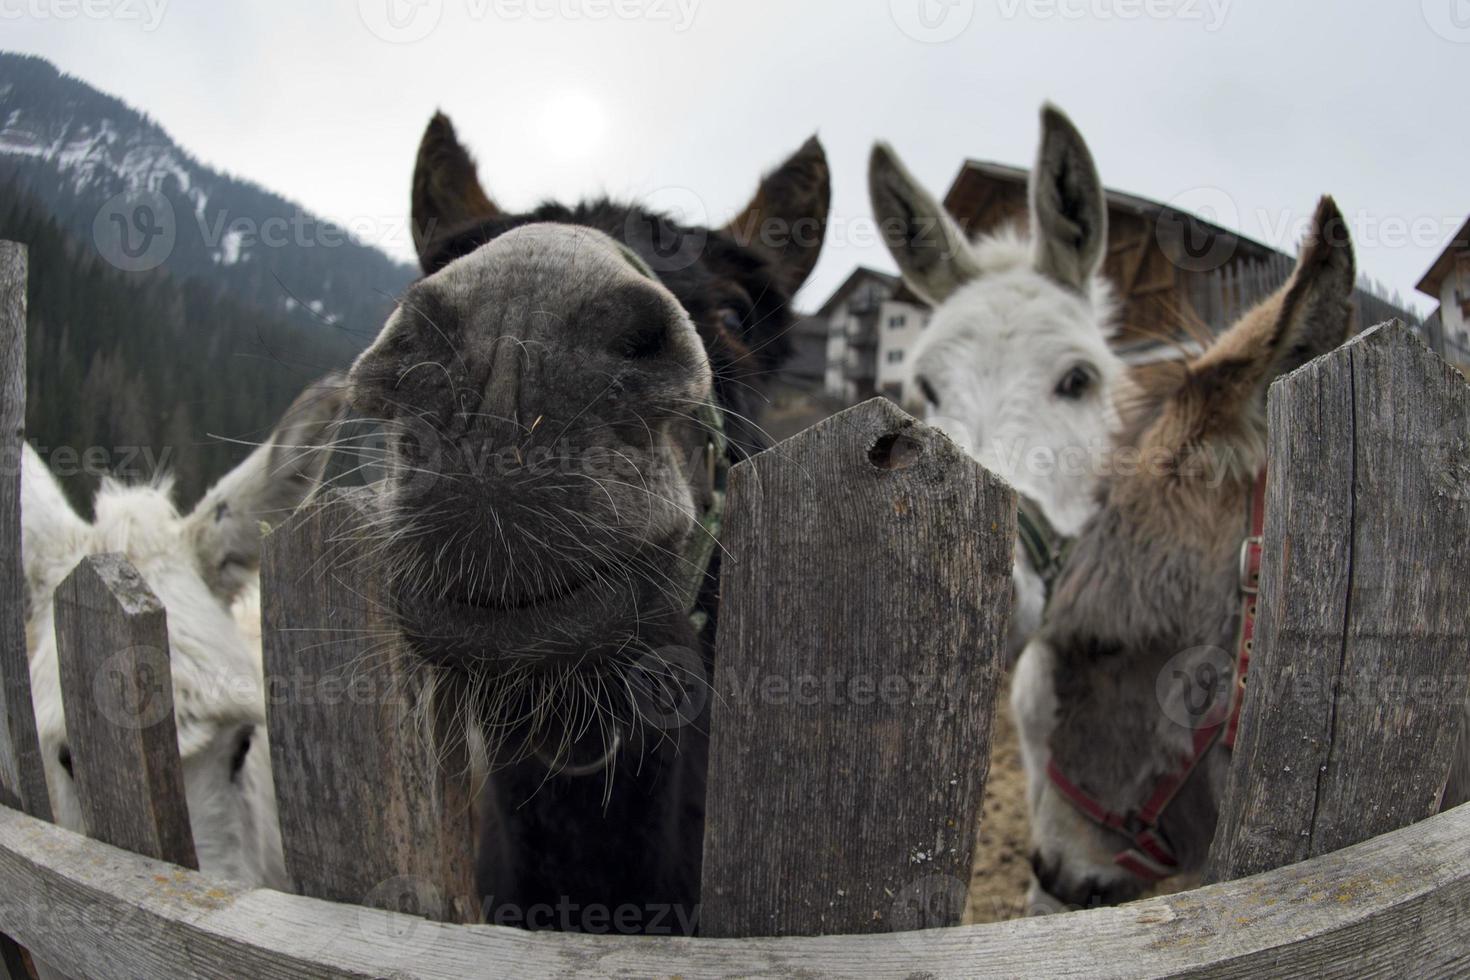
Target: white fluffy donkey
(200, 566)
(1015, 363)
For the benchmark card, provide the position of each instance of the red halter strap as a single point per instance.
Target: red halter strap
(1151, 858)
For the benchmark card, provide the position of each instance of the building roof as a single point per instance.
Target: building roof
(969, 187)
(1434, 278)
(859, 276)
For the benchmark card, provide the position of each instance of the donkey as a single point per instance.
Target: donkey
(201, 566)
(1125, 744)
(556, 392)
(1015, 363)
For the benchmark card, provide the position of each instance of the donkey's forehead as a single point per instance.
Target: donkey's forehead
(559, 266)
(1022, 305)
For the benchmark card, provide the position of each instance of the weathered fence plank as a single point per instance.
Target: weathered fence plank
(22, 780)
(117, 686)
(1358, 686)
(1394, 905)
(370, 812)
(861, 638)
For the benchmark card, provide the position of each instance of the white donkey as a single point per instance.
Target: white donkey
(1015, 363)
(203, 568)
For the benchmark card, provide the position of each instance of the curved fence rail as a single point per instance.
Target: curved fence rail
(1375, 909)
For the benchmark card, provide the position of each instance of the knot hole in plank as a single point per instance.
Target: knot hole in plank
(896, 450)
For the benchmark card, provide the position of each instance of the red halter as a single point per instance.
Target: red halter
(1151, 858)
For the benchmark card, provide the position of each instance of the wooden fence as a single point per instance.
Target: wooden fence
(838, 828)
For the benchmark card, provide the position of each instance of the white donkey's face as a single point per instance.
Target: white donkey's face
(202, 567)
(1015, 363)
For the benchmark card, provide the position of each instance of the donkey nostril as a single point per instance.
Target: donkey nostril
(1044, 873)
(645, 342)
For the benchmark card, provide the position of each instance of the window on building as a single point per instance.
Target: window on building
(896, 322)
(895, 357)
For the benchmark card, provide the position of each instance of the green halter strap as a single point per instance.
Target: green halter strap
(704, 539)
(1045, 548)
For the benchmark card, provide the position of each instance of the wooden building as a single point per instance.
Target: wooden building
(1174, 271)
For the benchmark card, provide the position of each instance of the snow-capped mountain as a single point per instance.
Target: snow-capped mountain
(116, 181)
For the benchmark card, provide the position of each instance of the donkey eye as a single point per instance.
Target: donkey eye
(242, 749)
(927, 389)
(1075, 383)
(732, 319)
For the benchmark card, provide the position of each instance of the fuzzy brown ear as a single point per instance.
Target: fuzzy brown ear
(1316, 308)
(446, 191)
(932, 252)
(786, 221)
(1069, 211)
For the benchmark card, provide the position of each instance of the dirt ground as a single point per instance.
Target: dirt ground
(1002, 872)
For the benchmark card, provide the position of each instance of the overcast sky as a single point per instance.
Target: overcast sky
(1247, 109)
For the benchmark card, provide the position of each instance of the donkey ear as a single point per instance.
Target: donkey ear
(51, 533)
(1069, 213)
(786, 221)
(932, 252)
(226, 526)
(1316, 307)
(446, 192)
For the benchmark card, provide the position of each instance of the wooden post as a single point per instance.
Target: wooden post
(117, 688)
(865, 604)
(1357, 692)
(22, 779)
(371, 812)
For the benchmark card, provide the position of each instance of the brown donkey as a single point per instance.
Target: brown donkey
(1125, 698)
